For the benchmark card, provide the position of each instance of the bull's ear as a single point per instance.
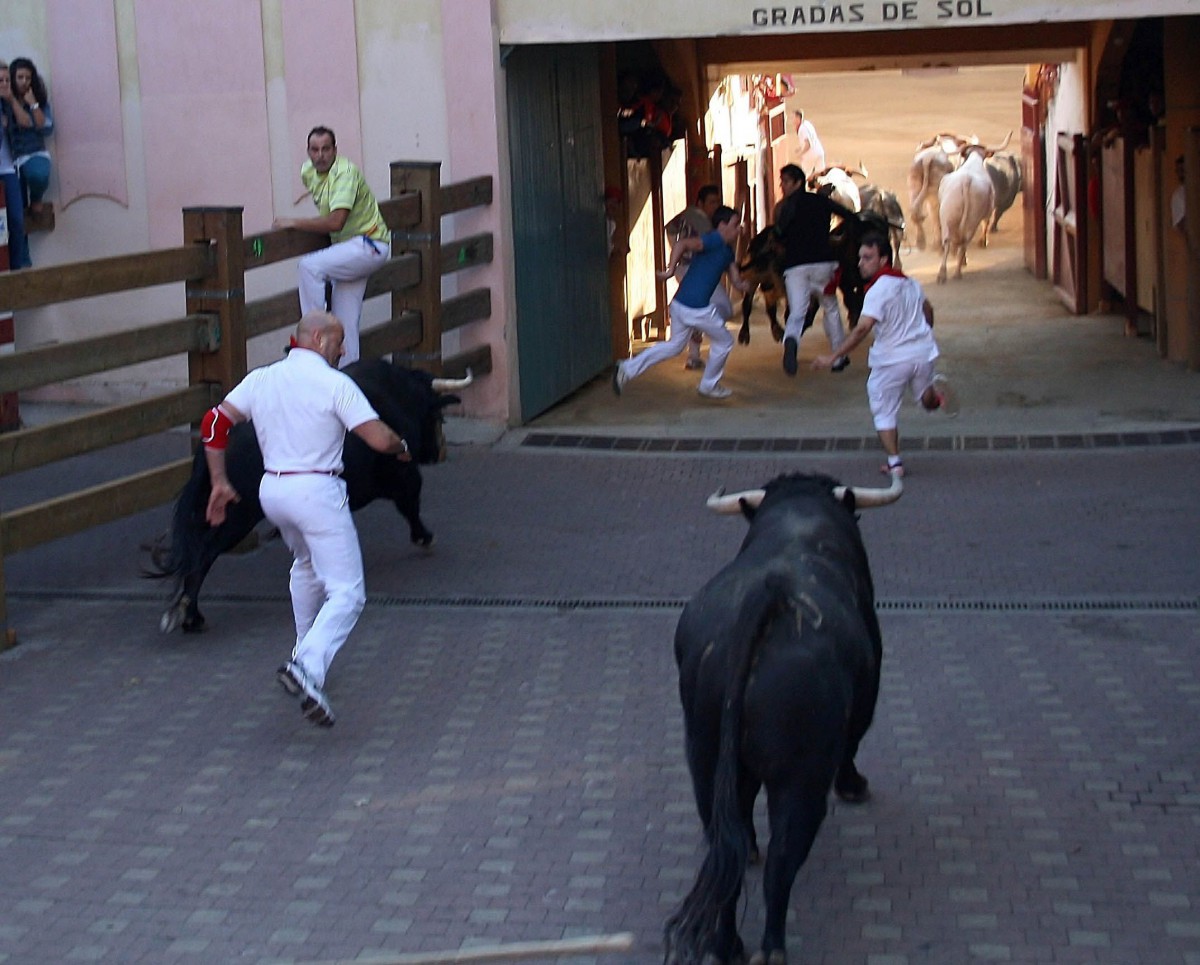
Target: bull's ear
(848, 499)
(749, 509)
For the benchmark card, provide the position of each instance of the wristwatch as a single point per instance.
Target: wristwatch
(34, 106)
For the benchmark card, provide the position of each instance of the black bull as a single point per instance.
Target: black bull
(779, 661)
(762, 269)
(404, 398)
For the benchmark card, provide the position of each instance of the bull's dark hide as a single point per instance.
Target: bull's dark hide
(761, 271)
(779, 657)
(886, 205)
(1005, 172)
(846, 238)
(405, 400)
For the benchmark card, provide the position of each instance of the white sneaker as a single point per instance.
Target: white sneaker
(718, 391)
(947, 397)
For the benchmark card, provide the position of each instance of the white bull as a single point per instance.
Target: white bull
(837, 182)
(930, 164)
(966, 198)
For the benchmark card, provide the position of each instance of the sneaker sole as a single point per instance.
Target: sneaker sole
(289, 683)
(315, 711)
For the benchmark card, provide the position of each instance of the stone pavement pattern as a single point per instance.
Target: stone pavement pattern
(507, 763)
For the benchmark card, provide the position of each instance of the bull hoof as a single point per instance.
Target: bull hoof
(855, 790)
(425, 540)
(775, 958)
(194, 624)
(744, 337)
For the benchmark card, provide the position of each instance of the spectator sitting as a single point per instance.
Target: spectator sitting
(18, 244)
(28, 137)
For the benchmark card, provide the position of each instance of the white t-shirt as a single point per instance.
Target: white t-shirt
(814, 158)
(901, 332)
(302, 408)
(1178, 206)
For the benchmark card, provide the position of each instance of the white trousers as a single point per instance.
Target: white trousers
(684, 321)
(886, 385)
(803, 281)
(347, 265)
(328, 590)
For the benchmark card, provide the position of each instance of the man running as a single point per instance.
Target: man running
(904, 350)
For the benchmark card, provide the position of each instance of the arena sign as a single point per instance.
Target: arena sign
(559, 21)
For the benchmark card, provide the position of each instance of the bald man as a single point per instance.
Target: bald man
(301, 408)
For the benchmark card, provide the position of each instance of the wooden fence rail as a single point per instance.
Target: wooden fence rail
(213, 332)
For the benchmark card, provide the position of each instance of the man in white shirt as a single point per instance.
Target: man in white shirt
(904, 351)
(812, 153)
(302, 408)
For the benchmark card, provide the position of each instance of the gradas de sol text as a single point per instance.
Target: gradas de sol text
(889, 11)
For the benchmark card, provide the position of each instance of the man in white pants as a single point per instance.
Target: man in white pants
(302, 408)
(692, 309)
(904, 351)
(694, 222)
(349, 214)
(808, 261)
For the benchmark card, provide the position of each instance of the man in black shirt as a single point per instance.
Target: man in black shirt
(809, 262)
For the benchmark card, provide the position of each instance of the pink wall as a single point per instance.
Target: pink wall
(469, 44)
(89, 151)
(320, 66)
(204, 112)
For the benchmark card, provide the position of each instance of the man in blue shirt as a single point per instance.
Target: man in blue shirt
(691, 308)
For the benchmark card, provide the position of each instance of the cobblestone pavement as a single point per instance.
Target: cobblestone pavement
(507, 763)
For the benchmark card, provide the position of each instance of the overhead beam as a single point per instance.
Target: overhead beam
(894, 49)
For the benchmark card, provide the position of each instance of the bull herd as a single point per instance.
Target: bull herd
(960, 185)
(778, 654)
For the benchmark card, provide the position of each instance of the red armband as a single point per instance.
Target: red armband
(214, 428)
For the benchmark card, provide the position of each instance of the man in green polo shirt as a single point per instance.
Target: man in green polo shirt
(360, 240)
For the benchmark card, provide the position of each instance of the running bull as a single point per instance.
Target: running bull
(779, 660)
(409, 401)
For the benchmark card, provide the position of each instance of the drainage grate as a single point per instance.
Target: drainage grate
(496, 602)
(628, 444)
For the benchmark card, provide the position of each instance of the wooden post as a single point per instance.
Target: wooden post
(9, 419)
(661, 255)
(1191, 163)
(8, 637)
(221, 293)
(424, 238)
(10, 415)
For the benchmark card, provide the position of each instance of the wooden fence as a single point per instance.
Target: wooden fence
(213, 331)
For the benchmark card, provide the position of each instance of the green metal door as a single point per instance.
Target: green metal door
(561, 259)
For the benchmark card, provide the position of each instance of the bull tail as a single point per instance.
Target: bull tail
(693, 930)
(170, 553)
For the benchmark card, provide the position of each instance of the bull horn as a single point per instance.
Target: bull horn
(1003, 144)
(861, 170)
(452, 385)
(719, 502)
(870, 498)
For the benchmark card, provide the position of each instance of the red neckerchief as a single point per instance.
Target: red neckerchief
(885, 270)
